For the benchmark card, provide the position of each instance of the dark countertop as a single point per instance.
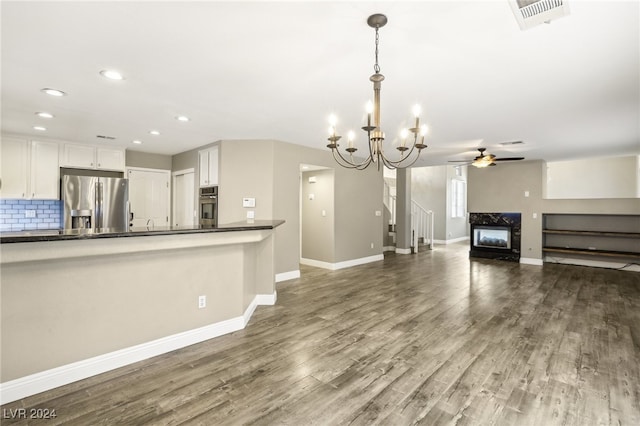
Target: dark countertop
(143, 231)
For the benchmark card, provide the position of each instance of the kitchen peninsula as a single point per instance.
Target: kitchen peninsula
(79, 303)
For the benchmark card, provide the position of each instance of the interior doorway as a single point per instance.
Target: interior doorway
(149, 195)
(184, 208)
(317, 217)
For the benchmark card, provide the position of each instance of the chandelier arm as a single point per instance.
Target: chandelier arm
(349, 164)
(396, 164)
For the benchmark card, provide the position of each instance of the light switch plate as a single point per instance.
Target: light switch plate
(29, 213)
(248, 202)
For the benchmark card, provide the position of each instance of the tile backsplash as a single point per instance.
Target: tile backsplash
(46, 214)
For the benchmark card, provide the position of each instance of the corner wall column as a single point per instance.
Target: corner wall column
(403, 211)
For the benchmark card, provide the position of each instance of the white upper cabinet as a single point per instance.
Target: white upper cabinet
(110, 159)
(208, 165)
(15, 168)
(79, 156)
(45, 173)
(92, 157)
(29, 169)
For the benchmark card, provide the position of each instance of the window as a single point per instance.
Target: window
(458, 198)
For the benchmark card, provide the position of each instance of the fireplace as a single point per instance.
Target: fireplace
(492, 237)
(495, 235)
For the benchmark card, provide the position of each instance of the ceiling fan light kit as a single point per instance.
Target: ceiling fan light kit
(375, 135)
(485, 160)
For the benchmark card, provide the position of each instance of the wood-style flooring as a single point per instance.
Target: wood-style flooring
(432, 338)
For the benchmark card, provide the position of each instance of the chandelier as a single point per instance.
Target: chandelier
(375, 135)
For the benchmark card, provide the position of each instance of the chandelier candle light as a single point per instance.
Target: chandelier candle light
(375, 135)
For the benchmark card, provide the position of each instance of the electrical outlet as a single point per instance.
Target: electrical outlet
(371, 245)
(29, 213)
(202, 302)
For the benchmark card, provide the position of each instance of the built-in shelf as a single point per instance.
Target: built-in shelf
(593, 233)
(609, 253)
(591, 239)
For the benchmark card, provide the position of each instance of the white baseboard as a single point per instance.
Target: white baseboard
(39, 382)
(266, 299)
(403, 251)
(592, 263)
(341, 265)
(451, 241)
(530, 261)
(285, 276)
(389, 248)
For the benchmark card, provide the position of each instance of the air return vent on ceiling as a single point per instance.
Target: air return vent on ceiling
(530, 13)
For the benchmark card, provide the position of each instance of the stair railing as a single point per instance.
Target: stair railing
(421, 226)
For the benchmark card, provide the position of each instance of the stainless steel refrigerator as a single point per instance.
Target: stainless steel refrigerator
(91, 202)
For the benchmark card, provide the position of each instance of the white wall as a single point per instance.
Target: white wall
(615, 177)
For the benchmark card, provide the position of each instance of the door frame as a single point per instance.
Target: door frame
(163, 171)
(174, 203)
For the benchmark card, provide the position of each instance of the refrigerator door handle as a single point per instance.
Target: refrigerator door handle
(98, 209)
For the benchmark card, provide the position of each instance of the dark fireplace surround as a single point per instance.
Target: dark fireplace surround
(495, 236)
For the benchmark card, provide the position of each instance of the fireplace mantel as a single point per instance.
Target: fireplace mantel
(502, 236)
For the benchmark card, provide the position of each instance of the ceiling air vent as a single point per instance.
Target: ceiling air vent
(511, 143)
(530, 13)
(105, 137)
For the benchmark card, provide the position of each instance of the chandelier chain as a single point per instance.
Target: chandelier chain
(376, 67)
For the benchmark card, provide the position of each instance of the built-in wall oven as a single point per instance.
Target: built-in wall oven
(209, 206)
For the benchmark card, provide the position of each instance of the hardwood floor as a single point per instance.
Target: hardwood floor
(432, 338)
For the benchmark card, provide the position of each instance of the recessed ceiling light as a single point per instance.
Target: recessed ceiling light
(154, 132)
(137, 142)
(44, 115)
(40, 128)
(53, 92)
(112, 75)
(182, 118)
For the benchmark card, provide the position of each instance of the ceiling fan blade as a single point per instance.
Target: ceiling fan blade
(508, 159)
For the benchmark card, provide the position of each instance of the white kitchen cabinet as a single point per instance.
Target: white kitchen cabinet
(92, 157)
(208, 165)
(110, 159)
(29, 169)
(15, 168)
(78, 156)
(45, 173)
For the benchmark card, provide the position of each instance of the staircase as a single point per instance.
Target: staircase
(421, 221)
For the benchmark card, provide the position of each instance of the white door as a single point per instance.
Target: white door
(183, 198)
(149, 197)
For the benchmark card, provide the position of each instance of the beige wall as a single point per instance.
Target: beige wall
(358, 194)
(270, 172)
(146, 286)
(431, 189)
(147, 160)
(501, 189)
(246, 170)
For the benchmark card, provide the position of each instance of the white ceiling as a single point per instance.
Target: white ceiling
(276, 70)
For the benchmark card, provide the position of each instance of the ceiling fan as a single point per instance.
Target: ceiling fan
(485, 160)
